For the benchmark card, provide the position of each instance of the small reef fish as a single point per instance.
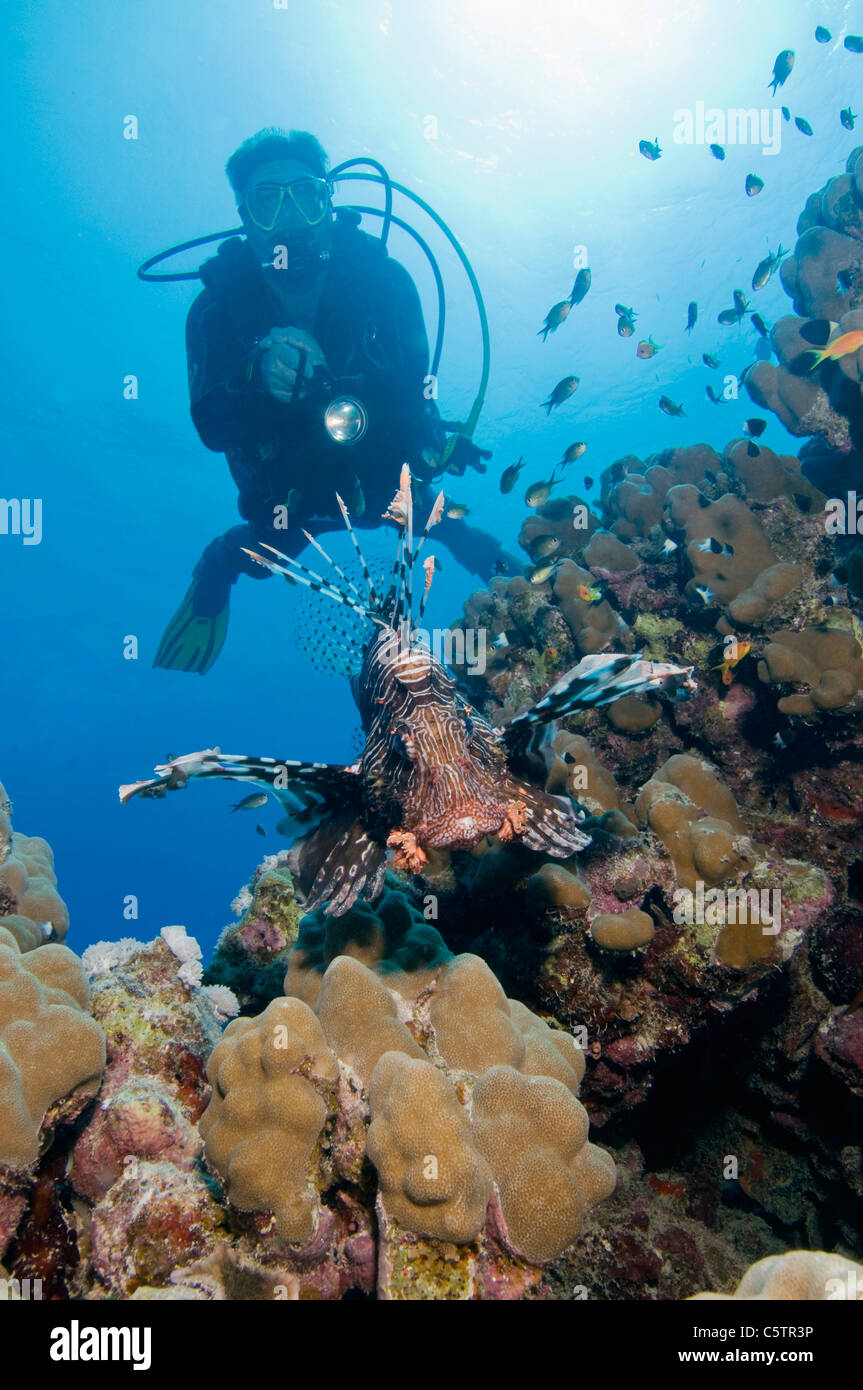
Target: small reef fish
(650, 148)
(840, 347)
(733, 653)
(755, 427)
(648, 349)
(717, 151)
(760, 326)
(705, 593)
(556, 315)
(625, 313)
(691, 316)
(588, 483)
(581, 286)
(768, 267)
(456, 511)
(817, 331)
(782, 69)
(260, 829)
(854, 43)
(847, 117)
(845, 280)
(711, 546)
(802, 125)
(574, 452)
(711, 395)
(741, 303)
(562, 391)
(668, 406)
(538, 493)
(625, 326)
(784, 738)
(501, 567)
(542, 572)
(709, 361)
(786, 114)
(509, 476)
(251, 802)
(822, 35)
(501, 641)
(727, 317)
(589, 595)
(669, 547)
(753, 185)
(544, 546)
(753, 450)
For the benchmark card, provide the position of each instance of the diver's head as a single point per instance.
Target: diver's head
(283, 197)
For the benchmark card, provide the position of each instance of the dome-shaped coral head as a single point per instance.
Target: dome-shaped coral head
(433, 773)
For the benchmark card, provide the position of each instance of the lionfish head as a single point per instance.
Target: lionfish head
(407, 692)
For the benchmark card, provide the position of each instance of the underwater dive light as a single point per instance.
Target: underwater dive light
(345, 420)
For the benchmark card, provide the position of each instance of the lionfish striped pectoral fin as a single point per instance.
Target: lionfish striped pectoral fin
(337, 863)
(598, 680)
(544, 822)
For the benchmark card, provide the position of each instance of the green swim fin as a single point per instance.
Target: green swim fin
(192, 640)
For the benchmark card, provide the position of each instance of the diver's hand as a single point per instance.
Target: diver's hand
(466, 455)
(282, 353)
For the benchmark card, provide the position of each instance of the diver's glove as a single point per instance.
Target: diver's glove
(466, 455)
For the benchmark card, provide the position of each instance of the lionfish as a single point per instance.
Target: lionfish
(433, 773)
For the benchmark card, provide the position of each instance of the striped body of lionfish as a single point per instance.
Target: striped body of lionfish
(433, 774)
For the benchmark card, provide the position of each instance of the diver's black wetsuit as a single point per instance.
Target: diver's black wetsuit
(370, 327)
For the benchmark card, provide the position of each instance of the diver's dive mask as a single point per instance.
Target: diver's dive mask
(308, 198)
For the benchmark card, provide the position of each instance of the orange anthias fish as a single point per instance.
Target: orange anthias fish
(840, 347)
(589, 595)
(732, 654)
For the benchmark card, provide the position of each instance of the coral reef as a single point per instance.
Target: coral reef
(401, 1110)
(30, 906)
(51, 1052)
(802, 1275)
(825, 659)
(251, 954)
(824, 279)
(471, 1103)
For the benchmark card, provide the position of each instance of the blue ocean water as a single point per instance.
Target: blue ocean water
(520, 125)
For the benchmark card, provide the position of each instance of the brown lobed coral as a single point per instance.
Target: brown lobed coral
(30, 906)
(471, 1101)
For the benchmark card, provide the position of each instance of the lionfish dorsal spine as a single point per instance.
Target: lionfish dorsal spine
(330, 561)
(374, 602)
(399, 598)
(301, 574)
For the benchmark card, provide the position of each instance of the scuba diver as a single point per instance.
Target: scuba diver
(308, 368)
